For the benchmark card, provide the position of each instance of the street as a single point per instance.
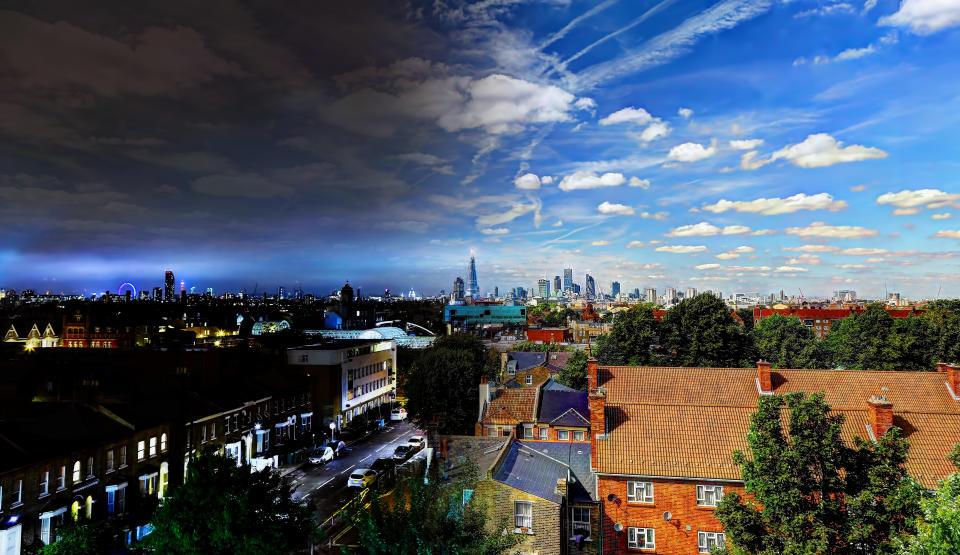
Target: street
(326, 486)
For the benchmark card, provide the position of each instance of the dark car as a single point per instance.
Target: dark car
(384, 466)
(403, 453)
(338, 447)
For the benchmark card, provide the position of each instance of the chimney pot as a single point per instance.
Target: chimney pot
(593, 369)
(880, 411)
(942, 367)
(763, 376)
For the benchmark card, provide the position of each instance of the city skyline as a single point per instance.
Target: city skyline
(740, 145)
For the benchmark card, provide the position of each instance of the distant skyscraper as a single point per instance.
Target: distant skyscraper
(158, 294)
(691, 293)
(557, 284)
(591, 287)
(615, 288)
(543, 288)
(636, 293)
(576, 288)
(280, 293)
(458, 289)
(670, 295)
(650, 295)
(496, 291)
(473, 289)
(169, 283)
(567, 279)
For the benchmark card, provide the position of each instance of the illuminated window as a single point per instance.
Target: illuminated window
(76, 472)
(153, 446)
(44, 483)
(62, 478)
(123, 456)
(141, 450)
(203, 434)
(18, 500)
(163, 442)
(109, 460)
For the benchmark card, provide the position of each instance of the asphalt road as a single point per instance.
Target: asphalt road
(326, 486)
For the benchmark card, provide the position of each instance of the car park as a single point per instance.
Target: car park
(398, 414)
(402, 453)
(362, 478)
(321, 455)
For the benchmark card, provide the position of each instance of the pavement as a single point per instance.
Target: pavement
(325, 487)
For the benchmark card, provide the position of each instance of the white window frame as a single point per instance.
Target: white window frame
(141, 450)
(561, 434)
(576, 524)
(19, 500)
(708, 540)
(77, 476)
(110, 460)
(639, 492)
(529, 379)
(123, 456)
(62, 478)
(579, 435)
(153, 446)
(711, 490)
(89, 467)
(648, 535)
(527, 432)
(544, 433)
(521, 520)
(44, 483)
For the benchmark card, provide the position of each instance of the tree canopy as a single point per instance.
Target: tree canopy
(938, 530)
(224, 508)
(785, 342)
(574, 374)
(700, 331)
(811, 492)
(633, 333)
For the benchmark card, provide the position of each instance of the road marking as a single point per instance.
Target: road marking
(365, 458)
(325, 483)
(349, 469)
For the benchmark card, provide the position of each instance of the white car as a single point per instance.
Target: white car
(398, 414)
(417, 443)
(321, 455)
(361, 478)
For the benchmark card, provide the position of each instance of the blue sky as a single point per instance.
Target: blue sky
(738, 145)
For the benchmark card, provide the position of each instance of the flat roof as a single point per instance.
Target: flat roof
(336, 344)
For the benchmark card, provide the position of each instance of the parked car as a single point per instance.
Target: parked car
(398, 414)
(362, 478)
(384, 466)
(321, 455)
(417, 443)
(402, 453)
(338, 447)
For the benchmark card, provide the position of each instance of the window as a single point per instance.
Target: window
(45, 531)
(1, 498)
(563, 435)
(709, 496)
(153, 446)
(640, 492)
(163, 442)
(523, 514)
(44, 483)
(123, 456)
(19, 499)
(581, 521)
(708, 540)
(203, 433)
(141, 450)
(213, 430)
(529, 379)
(62, 478)
(109, 460)
(89, 467)
(148, 484)
(226, 425)
(578, 435)
(111, 501)
(544, 434)
(641, 538)
(528, 432)
(76, 472)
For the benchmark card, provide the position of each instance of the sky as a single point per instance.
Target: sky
(733, 145)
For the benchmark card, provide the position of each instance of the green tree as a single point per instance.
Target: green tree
(222, 508)
(700, 331)
(558, 318)
(443, 382)
(629, 341)
(423, 519)
(531, 347)
(785, 342)
(574, 374)
(746, 315)
(938, 529)
(82, 537)
(875, 340)
(944, 328)
(812, 493)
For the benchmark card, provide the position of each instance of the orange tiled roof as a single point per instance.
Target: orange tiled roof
(511, 406)
(685, 422)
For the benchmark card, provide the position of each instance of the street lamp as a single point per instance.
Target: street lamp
(333, 426)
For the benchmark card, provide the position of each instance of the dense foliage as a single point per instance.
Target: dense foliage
(813, 493)
(442, 383)
(633, 333)
(938, 531)
(532, 347)
(423, 519)
(243, 512)
(701, 331)
(785, 342)
(82, 537)
(574, 374)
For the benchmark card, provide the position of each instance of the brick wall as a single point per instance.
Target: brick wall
(499, 498)
(677, 496)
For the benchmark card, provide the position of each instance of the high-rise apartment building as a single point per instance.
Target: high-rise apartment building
(567, 279)
(591, 287)
(670, 295)
(650, 295)
(169, 283)
(158, 294)
(543, 288)
(691, 293)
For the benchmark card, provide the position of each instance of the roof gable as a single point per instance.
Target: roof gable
(511, 406)
(529, 470)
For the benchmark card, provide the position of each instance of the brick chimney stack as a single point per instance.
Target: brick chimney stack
(593, 370)
(880, 415)
(953, 379)
(942, 367)
(763, 377)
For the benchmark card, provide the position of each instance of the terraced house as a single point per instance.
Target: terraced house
(661, 439)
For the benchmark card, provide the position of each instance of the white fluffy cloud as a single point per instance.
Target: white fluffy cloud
(631, 114)
(637, 182)
(745, 144)
(590, 180)
(948, 234)
(711, 266)
(812, 248)
(601, 243)
(634, 244)
(924, 16)
(702, 229)
(613, 208)
(821, 150)
(685, 112)
(517, 210)
(727, 255)
(735, 229)
(691, 152)
(774, 206)
(681, 249)
(931, 198)
(906, 211)
(805, 258)
(654, 215)
(821, 229)
(527, 181)
(791, 269)
(861, 251)
(655, 131)
(546, 180)
(944, 216)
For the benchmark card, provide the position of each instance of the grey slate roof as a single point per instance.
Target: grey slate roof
(553, 385)
(527, 361)
(582, 485)
(531, 471)
(481, 450)
(556, 405)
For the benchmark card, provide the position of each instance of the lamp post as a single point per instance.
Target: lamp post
(333, 426)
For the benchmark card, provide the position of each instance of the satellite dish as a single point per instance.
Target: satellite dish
(667, 516)
(618, 527)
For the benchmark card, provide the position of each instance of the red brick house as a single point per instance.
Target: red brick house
(548, 335)
(661, 439)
